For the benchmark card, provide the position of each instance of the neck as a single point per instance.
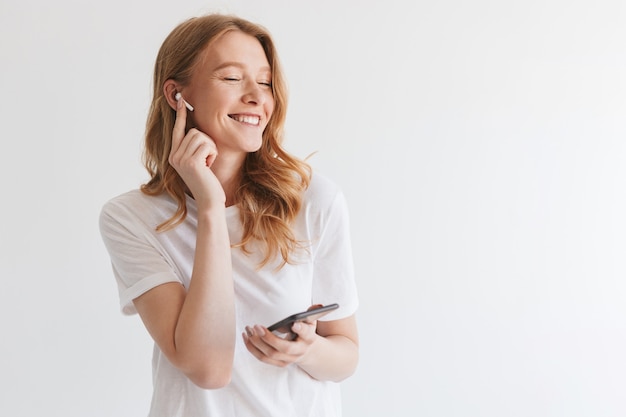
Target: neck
(227, 169)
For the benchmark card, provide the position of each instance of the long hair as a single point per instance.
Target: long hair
(272, 182)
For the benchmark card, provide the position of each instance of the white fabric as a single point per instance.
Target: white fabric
(141, 259)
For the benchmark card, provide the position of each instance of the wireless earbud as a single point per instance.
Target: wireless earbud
(178, 96)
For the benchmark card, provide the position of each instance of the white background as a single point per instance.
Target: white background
(481, 148)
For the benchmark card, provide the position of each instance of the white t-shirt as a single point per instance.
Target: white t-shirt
(141, 259)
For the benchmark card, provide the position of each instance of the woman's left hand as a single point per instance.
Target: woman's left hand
(275, 350)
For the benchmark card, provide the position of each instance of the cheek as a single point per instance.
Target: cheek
(270, 105)
(215, 109)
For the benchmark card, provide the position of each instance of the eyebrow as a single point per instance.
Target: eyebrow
(238, 65)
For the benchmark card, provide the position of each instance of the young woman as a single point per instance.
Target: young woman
(231, 234)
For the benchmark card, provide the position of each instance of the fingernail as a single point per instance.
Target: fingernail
(296, 327)
(249, 331)
(259, 330)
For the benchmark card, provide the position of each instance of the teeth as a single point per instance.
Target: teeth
(252, 120)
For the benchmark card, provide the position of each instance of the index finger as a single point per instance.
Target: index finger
(178, 133)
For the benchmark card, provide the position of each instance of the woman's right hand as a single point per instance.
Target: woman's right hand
(192, 155)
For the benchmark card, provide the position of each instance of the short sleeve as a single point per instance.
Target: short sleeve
(137, 259)
(334, 280)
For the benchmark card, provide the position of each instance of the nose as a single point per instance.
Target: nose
(253, 93)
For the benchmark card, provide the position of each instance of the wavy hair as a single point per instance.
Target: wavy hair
(271, 180)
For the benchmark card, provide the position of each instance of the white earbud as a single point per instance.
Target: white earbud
(178, 96)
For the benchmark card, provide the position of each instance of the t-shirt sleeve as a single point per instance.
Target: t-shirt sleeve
(136, 259)
(334, 280)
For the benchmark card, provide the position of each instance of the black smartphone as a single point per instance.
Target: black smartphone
(284, 326)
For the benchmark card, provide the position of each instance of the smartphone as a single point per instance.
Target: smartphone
(284, 326)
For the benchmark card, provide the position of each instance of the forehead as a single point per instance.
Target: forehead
(235, 48)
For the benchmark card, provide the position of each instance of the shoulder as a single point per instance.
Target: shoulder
(322, 190)
(129, 198)
(128, 202)
(323, 199)
(135, 199)
(136, 207)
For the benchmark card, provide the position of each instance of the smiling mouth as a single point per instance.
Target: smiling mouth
(249, 120)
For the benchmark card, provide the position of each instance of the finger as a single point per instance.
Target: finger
(178, 133)
(202, 148)
(196, 147)
(304, 329)
(205, 152)
(268, 343)
(312, 307)
(211, 158)
(254, 344)
(184, 149)
(281, 349)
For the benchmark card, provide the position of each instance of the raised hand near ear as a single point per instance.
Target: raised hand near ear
(192, 155)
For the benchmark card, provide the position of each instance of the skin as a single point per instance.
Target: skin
(326, 350)
(234, 82)
(233, 102)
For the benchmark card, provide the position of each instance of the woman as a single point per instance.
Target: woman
(231, 234)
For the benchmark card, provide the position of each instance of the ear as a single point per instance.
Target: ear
(170, 88)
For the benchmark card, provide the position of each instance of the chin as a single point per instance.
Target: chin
(253, 147)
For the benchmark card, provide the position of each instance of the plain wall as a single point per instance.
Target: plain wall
(481, 147)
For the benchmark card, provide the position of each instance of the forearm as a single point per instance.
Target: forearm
(331, 358)
(205, 331)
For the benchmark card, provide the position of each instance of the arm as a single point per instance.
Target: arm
(334, 352)
(195, 329)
